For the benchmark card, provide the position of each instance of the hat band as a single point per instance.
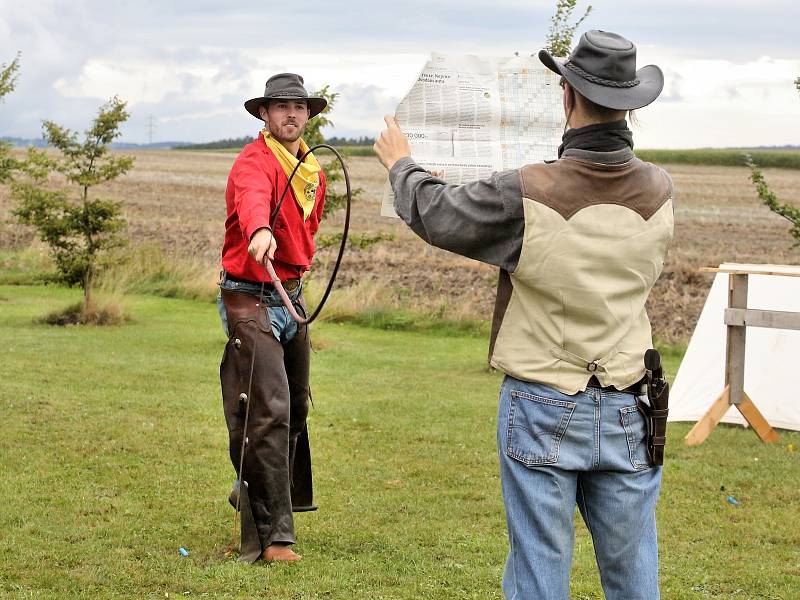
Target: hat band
(599, 80)
(287, 92)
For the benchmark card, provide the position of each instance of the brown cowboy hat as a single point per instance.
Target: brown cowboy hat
(286, 86)
(602, 68)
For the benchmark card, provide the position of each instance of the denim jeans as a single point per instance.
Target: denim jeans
(588, 449)
(284, 328)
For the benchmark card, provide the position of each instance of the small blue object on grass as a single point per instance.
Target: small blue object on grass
(732, 500)
(183, 551)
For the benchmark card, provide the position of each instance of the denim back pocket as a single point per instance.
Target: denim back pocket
(636, 434)
(536, 426)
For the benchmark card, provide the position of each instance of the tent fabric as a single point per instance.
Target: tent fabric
(771, 357)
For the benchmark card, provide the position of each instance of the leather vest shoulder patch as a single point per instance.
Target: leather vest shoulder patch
(570, 185)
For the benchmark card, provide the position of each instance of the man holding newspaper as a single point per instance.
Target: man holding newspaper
(579, 242)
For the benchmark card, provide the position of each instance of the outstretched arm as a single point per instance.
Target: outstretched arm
(483, 219)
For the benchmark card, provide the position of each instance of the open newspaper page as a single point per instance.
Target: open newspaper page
(469, 116)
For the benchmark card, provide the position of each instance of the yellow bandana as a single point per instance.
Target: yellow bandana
(306, 180)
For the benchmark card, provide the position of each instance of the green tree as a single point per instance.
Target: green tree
(768, 197)
(559, 37)
(8, 80)
(78, 228)
(333, 169)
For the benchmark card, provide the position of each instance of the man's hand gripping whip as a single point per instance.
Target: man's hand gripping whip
(655, 415)
(249, 544)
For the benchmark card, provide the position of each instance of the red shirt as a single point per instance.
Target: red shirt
(255, 184)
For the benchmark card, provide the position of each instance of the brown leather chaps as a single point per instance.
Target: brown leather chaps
(277, 462)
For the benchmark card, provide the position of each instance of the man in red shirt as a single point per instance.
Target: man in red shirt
(264, 370)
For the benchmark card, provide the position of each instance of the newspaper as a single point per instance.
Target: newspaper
(468, 116)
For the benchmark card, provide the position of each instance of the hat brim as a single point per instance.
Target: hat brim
(651, 82)
(315, 105)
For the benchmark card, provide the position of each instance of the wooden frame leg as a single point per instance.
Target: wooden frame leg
(703, 428)
(757, 421)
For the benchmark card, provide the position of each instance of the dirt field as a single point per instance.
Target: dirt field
(177, 200)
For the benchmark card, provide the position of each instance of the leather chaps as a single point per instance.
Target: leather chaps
(277, 461)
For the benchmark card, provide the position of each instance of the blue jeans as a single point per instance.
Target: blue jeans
(284, 328)
(588, 449)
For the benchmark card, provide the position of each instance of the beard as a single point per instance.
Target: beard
(286, 133)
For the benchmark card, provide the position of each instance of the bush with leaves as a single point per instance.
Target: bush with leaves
(79, 229)
(8, 79)
(559, 37)
(768, 197)
(333, 169)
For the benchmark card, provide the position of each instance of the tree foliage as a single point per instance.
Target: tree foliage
(559, 37)
(8, 76)
(8, 80)
(334, 200)
(768, 197)
(78, 228)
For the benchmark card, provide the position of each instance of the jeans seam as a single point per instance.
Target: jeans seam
(629, 437)
(586, 508)
(543, 399)
(509, 451)
(597, 415)
(562, 430)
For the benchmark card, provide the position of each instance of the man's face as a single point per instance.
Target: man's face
(285, 119)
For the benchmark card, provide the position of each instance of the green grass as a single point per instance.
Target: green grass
(726, 157)
(26, 266)
(114, 454)
(356, 150)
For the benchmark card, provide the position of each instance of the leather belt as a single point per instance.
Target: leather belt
(639, 388)
(290, 285)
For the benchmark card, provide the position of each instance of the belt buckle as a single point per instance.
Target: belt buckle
(291, 285)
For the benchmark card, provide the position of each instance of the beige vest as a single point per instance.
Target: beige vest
(594, 244)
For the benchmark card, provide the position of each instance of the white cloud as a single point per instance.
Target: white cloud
(139, 81)
(192, 64)
(722, 103)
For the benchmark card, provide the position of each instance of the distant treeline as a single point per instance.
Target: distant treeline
(240, 142)
(781, 158)
(218, 144)
(359, 141)
(725, 157)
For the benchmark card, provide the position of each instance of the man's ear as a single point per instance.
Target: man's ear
(263, 111)
(569, 101)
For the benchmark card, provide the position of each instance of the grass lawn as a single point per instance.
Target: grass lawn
(113, 454)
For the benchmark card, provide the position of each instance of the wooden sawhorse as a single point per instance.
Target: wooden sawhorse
(738, 318)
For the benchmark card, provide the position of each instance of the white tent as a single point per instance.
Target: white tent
(772, 358)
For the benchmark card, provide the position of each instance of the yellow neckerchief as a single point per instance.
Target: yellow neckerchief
(306, 180)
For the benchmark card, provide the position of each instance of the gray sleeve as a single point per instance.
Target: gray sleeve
(483, 219)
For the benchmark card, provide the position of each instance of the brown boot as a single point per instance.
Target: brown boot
(279, 552)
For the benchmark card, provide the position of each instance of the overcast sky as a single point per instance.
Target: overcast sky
(729, 65)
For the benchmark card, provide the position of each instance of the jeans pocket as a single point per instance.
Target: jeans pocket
(536, 426)
(636, 434)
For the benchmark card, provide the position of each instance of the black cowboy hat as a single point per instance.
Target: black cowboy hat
(287, 86)
(602, 68)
